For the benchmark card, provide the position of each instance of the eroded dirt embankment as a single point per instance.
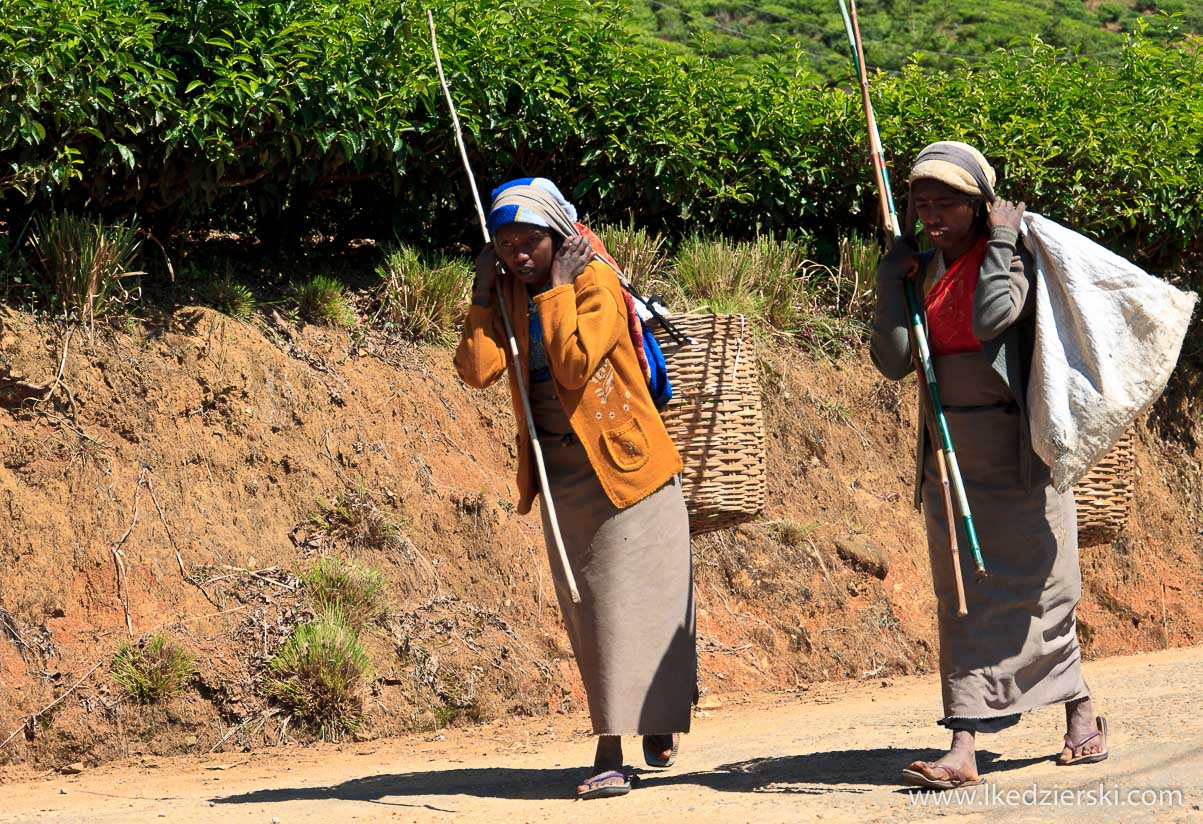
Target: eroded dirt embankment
(183, 485)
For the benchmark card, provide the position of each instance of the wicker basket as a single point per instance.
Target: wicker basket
(1104, 495)
(716, 420)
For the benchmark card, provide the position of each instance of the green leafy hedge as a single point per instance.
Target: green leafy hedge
(1114, 151)
(895, 30)
(285, 118)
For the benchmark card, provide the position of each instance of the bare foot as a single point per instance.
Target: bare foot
(961, 756)
(1081, 723)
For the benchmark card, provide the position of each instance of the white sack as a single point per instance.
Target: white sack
(1107, 337)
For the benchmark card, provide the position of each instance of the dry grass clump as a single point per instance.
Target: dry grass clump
(356, 519)
(232, 298)
(153, 670)
(859, 257)
(423, 300)
(639, 253)
(763, 279)
(354, 592)
(322, 300)
(85, 263)
(319, 676)
(713, 274)
(791, 533)
(778, 288)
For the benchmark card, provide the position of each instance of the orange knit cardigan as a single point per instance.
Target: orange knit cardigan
(598, 380)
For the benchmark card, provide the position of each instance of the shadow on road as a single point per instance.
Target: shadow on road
(492, 782)
(819, 773)
(848, 771)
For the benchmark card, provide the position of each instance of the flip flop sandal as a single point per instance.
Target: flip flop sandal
(917, 778)
(652, 757)
(598, 789)
(1101, 723)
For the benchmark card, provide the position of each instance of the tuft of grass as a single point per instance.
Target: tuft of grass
(355, 593)
(714, 274)
(830, 335)
(859, 257)
(639, 252)
(355, 518)
(778, 288)
(85, 263)
(761, 279)
(232, 298)
(319, 676)
(152, 671)
(321, 300)
(423, 300)
(831, 409)
(779, 268)
(791, 533)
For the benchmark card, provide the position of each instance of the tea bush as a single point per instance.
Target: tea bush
(326, 116)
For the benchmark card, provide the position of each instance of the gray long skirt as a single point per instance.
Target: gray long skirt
(633, 633)
(1017, 649)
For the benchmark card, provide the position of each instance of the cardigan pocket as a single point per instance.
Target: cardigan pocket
(627, 446)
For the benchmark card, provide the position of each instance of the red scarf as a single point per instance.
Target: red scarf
(634, 325)
(950, 305)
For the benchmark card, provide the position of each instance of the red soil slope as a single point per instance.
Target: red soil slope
(183, 486)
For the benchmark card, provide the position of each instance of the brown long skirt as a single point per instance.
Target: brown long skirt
(633, 633)
(1017, 649)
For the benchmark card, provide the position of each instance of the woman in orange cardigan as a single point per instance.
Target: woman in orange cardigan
(612, 471)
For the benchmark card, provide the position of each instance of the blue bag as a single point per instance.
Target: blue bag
(658, 384)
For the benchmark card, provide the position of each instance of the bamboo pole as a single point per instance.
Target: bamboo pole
(536, 446)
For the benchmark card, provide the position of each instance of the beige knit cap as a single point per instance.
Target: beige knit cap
(937, 162)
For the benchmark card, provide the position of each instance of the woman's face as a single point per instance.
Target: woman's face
(948, 216)
(526, 251)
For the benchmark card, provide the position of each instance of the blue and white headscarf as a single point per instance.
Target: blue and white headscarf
(535, 201)
(532, 200)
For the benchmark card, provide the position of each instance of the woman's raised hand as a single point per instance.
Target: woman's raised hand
(486, 276)
(571, 259)
(1006, 213)
(901, 262)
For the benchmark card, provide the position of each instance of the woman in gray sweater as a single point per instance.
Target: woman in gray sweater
(1017, 649)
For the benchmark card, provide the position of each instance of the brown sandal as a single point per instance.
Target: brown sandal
(654, 757)
(1074, 746)
(917, 775)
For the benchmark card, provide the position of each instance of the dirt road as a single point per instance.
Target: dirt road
(829, 753)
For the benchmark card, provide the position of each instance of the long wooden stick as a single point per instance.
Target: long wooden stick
(941, 438)
(536, 446)
(877, 154)
(920, 353)
(950, 520)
